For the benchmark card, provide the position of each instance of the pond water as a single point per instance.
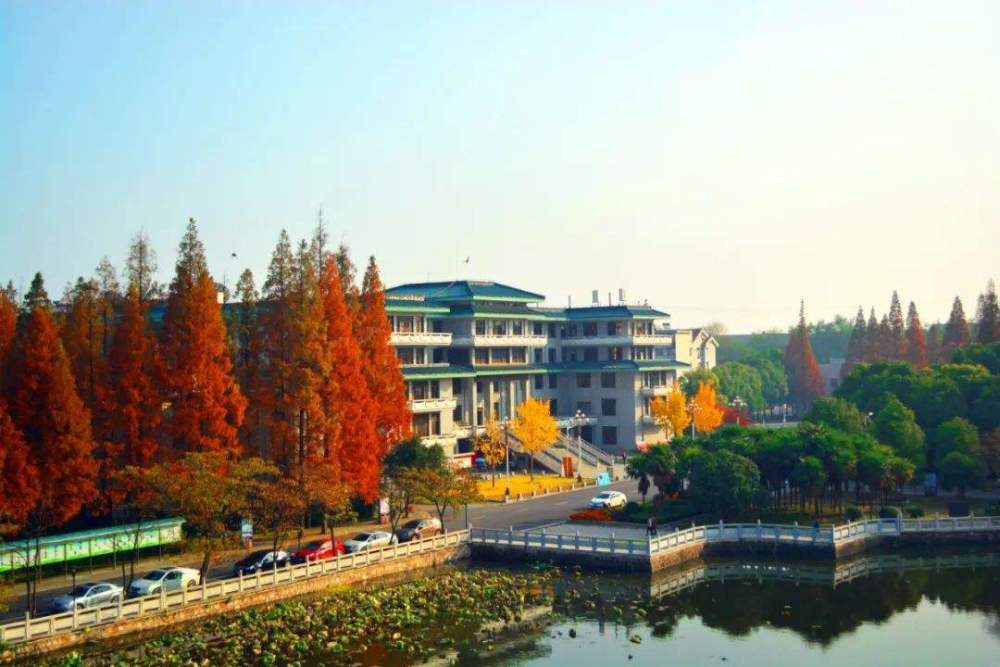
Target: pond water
(884, 610)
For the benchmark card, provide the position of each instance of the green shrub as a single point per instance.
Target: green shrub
(853, 513)
(631, 507)
(915, 512)
(889, 512)
(992, 510)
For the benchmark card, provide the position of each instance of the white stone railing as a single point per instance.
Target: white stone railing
(504, 340)
(432, 404)
(31, 629)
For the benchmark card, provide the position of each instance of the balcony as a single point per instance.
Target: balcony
(490, 340)
(416, 338)
(419, 405)
(659, 390)
(625, 340)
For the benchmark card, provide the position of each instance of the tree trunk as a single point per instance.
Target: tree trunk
(205, 560)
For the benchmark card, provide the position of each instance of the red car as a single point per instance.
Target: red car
(317, 550)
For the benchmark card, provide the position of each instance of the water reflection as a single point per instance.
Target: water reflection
(818, 602)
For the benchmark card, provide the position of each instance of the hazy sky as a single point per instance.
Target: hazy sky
(722, 160)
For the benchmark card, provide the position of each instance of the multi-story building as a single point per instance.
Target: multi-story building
(474, 350)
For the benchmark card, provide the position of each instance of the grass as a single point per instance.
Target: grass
(522, 484)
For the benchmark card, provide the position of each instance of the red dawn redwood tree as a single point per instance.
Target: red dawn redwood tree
(381, 366)
(352, 440)
(805, 384)
(206, 406)
(8, 323)
(133, 401)
(18, 476)
(956, 332)
(248, 362)
(916, 343)
(42, 402)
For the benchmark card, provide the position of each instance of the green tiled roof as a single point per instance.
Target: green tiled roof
(413, 306)
(624, 365)
(465, 290)
(614, 312)
(436, 372)
(494, 309)
(513, 369)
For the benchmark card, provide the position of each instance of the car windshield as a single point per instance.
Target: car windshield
(604, 495)
(316, 544)
(80, 591)
(362, 537)
(155, 575)
(411, 524)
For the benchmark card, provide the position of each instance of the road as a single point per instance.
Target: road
(526, 514)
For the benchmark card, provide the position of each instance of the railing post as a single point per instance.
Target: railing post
(612, 541)
(760, 531)
(577, 540)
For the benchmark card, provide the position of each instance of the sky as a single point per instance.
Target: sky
(721, 160)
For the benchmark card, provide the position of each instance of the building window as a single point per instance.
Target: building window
(553, 379)
(552, 355)
(480, 327)
(607, 380)
(616, 353)
(590, 354)
(644, 352)
(482, 356)
(590, 329)
(585, 407)
(571, 331)
(609, 435)
(519, 355)
(404, 324)
(499, 328)
(609, 408)
(538, 329)
(418, 391)
(538, 355)
(553, 407)
(583, 380)
(428, 424)
(539, 382)
(569, 355)
(517, 328)
(405, 355)
(552, 331)
(501, 355)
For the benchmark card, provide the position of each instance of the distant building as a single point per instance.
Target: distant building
(471, 350)
(830, 372)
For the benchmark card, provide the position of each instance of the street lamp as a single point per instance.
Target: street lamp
(578, 419)
(738, 403)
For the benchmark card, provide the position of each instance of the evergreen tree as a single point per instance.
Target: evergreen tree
(856, 344)
(873, 339)
(934, 344)
(206, 406)
(805, 384)
(886, 340)
(353, 441)
(248, 363)
(896, 349)
(348, 278)
(381, 366)
(988, 316)
(36, 296)
(916, 344)
(956, 331)
(140, 269)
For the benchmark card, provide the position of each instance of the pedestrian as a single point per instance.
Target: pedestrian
(651, 526)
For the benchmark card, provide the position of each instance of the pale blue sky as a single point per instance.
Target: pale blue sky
(722, 160)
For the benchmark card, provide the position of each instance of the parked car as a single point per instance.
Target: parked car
(317, 550)
(167, 579)
(418, 529)
(87, 595)
(260, 560)
(362, 541)
(609, 499)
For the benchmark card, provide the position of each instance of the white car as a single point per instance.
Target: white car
(88, 595)
(363, 541)
(167, 579)
(609, 499)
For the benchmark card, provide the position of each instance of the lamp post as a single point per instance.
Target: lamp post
(578, 419)
(738, 403)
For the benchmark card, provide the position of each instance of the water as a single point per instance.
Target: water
(939, 611)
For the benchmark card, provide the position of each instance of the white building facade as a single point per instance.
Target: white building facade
(473, 350)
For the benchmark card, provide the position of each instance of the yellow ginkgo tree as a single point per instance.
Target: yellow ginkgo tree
(492, 446)
(670, 412)
(536, 428)
(705, 406)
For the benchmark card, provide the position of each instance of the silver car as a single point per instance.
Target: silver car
(88, 595)
(372, 540)
(168, 579)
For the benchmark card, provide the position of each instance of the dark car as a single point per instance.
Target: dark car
(317, 550)
(418, 529)
(260, 560)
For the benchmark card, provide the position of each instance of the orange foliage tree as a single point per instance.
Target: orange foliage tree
(381, 366)
(135, 406)
(18, 476)
(42, 402)
(352, 439)
(916, 342)
(805, 384)
(248, 364)
(670, 412)
(206, 405)
(8, 321)
(706, 414)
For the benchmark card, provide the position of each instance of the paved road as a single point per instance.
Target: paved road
(525, 514)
